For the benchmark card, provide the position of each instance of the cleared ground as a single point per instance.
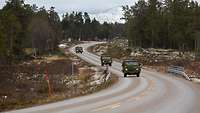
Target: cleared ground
(153, 92)
(24, 85)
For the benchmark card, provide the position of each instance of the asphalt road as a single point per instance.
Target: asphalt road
(153, 92)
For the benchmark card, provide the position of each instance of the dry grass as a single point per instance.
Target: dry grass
(25, 86)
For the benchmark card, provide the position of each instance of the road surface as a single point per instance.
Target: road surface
(153, 92)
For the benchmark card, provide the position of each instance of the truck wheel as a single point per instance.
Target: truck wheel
(110, 64)
(102, 64)
(125, 75)
(138, 74)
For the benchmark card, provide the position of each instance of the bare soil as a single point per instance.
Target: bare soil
(24, 85)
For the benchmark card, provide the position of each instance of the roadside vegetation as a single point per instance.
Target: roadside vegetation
(29, 39)
(111, 49)
(24, 84)
(158, 59)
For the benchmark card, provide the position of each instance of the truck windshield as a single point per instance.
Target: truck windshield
(105, 57)
(131, 63)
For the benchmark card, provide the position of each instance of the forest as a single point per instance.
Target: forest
(168, 24)
(173, 24)
(24, 26)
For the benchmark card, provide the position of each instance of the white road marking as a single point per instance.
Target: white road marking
(112, 106)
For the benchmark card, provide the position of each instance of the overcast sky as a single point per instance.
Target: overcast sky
(103, 10)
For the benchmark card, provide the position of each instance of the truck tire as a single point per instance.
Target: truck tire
(138, 74)
(110, 64)
(125, 75)
(102, 64)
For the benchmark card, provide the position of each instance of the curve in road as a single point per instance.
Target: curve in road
(153, 92)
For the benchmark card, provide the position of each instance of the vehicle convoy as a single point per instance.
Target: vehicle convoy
(79, 49)
(131, 67)
(106, 60)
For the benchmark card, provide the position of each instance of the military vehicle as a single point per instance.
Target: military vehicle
(79, 49)
(106, 60)
(131, 67)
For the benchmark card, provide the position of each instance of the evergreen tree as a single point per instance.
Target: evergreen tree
(168, 24)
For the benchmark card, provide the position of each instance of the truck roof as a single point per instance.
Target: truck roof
(79, 47)
(105, 55)
(130, 60)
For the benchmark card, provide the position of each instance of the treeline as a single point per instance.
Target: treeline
(81, 26)
(169, 24)
(25, 26)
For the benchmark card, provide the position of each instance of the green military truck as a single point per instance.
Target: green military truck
(106, 60)
(131, 67)
(79, 49)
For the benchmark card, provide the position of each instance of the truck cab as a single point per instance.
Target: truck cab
(106, 60)
(131, 67)
(79, 49)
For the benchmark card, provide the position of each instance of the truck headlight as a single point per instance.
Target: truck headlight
(126, 69)
(137, 69)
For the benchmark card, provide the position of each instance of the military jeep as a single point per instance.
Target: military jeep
(106, 60)
(131, 67)
(79, 49)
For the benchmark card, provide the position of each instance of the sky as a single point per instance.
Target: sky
(102, 10)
